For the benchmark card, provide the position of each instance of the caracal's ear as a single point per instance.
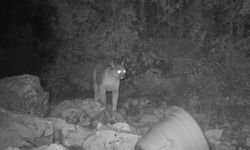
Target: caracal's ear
(123, 62)
(112, 64)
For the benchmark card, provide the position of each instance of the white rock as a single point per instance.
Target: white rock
(109, 139)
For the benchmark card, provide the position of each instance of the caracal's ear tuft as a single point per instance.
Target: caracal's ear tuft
(112, 64)
(123, 62)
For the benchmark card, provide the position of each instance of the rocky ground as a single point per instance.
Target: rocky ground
(82, 123)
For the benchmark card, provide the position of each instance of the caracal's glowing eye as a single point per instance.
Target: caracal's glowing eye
(124, 71)
(118, 71)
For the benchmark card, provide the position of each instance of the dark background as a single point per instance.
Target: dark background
(184, 50)
(24, 30)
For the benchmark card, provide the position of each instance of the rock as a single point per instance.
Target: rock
(23, 94)
(214, 136)
(11, 148)
(224, 146)
(120, 126)
(21, 130)
(92, 108)
(248, 142)
(109, 117)
(70, 135)
(15, 129)
(147, 116)
(111, 139)
(44, 147)
(71, 111)
(51, 147)
(85, 112)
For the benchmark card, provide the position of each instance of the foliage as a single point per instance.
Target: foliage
(192, 52)
(87, 40)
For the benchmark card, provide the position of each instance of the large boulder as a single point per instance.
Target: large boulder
(14, 129)
(23, 94)
(119, 136)
(85, 112)
(28, 131)
(77, 111)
